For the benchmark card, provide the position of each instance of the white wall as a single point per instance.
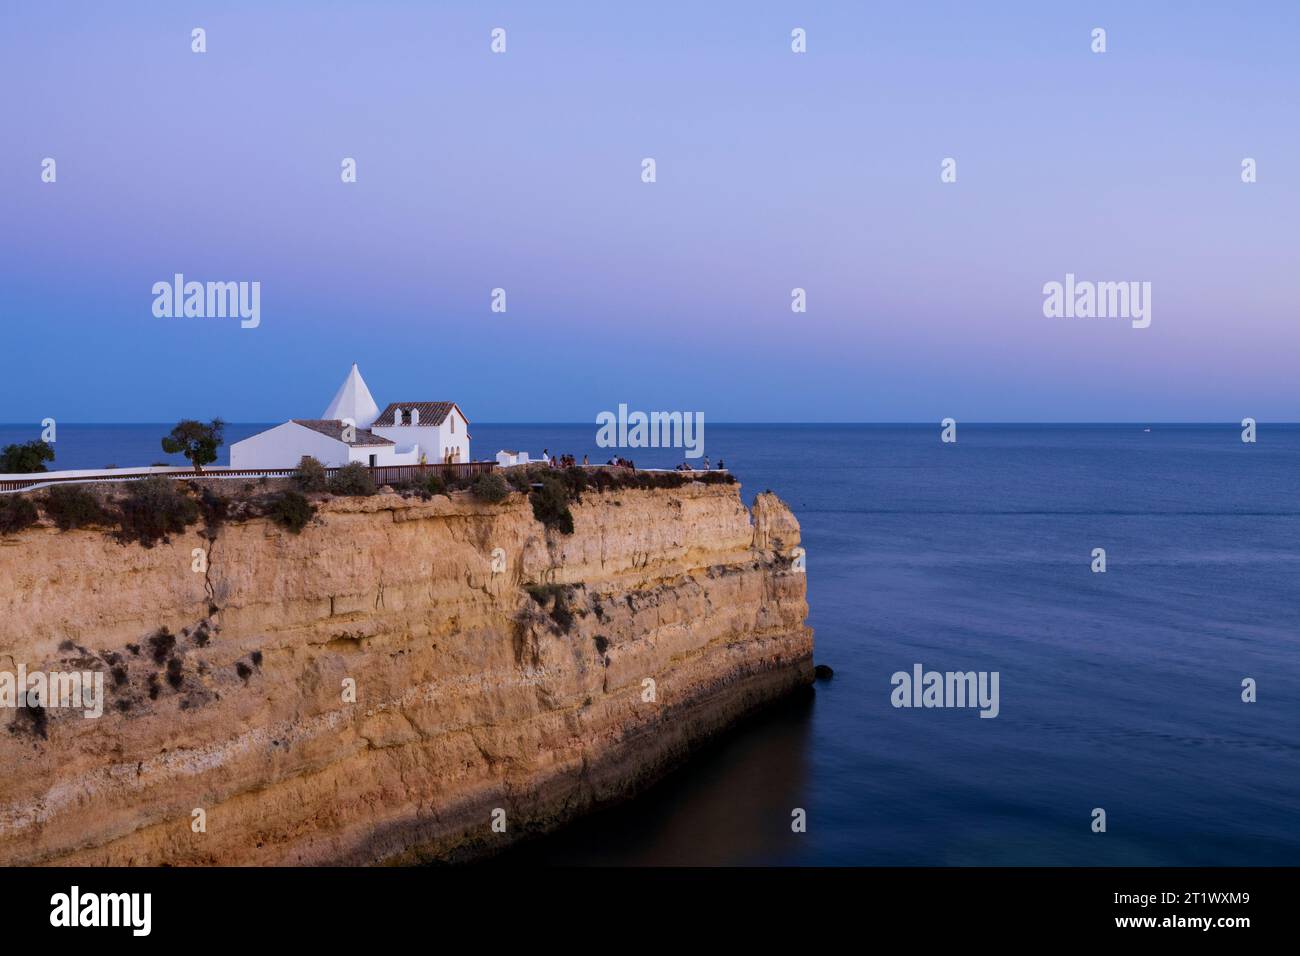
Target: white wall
(458, 439)
(284, 445)
(407, 436)
(386, 454)
(434, 441)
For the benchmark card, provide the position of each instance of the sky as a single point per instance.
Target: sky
(775, 170)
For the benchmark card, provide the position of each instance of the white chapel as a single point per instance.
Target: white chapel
(353, 429)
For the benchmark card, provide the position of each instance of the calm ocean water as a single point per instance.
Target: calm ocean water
(1118, 690)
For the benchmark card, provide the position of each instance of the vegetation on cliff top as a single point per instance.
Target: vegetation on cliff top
(72, 506)
(16, 513)
(215, 509)
(153, 509)
(291, 510)
(353, 479)
(491, 488)
(149, 510)
(550, 501)
(310, 475)
(551, 491)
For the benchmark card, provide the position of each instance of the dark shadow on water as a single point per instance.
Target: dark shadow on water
(730, 803)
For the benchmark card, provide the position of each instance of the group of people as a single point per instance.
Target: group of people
(704, 466)
(562, 461)
(569, 461)
(618, 461)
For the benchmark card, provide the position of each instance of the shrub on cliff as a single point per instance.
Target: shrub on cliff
(215, 510)
(153, 509)
(458, 483)
(491, 488)
(551, 504)
(16, 513)
(353, 479)
(71, 506)
(612, 480)
(576, 479)
(25, 458)
(425, 488)
(603, 480)
(291, 510)
(518, 479)
(310, 475)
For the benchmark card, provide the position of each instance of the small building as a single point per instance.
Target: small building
(507, 458)
(285, 445)
(439, 430)
(353, 429)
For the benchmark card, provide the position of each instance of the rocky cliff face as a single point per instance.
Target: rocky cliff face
(518, 687)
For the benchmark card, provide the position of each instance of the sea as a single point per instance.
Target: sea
(1119, 691)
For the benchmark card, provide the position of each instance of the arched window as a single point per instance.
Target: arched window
(453, 423)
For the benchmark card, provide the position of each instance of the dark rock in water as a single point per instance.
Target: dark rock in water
(823, 672)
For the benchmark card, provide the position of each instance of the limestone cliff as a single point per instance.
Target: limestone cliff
(557, 673)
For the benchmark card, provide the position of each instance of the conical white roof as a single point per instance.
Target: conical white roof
(353, 401)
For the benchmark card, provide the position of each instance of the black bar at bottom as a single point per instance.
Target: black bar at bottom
(335, 906)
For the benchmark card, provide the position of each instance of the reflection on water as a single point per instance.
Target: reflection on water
(728, 805)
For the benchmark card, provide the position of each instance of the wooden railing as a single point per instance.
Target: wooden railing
(383, 474)
(387, 474)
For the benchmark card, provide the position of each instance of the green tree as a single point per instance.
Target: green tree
(25, 458)
(196, 441)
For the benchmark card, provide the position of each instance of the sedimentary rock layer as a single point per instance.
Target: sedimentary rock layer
(541, 679)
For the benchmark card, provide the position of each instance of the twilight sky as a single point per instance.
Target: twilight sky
(775, 170)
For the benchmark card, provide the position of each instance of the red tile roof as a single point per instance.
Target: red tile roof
(431, 413)
(333, 428)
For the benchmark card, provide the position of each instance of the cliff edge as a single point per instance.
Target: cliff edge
(402, 681)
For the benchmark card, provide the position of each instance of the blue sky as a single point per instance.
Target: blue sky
(775, 170)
